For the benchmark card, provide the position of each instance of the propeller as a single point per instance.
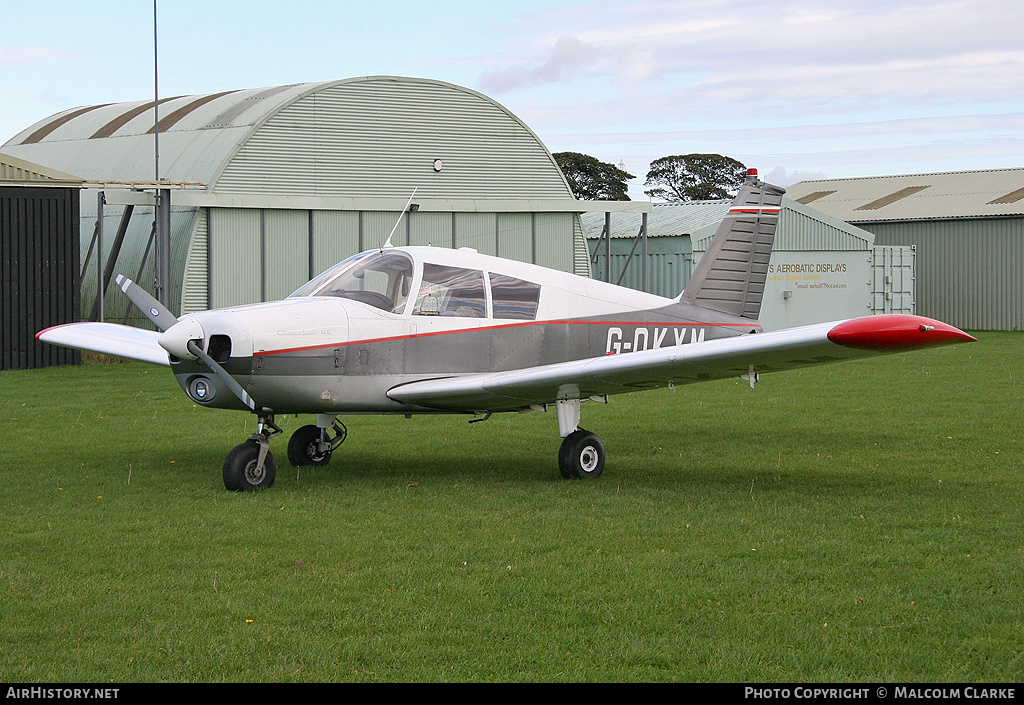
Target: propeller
(144, 301)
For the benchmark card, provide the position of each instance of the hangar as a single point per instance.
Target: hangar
(268, 187)
(967, 228)
(821, 268)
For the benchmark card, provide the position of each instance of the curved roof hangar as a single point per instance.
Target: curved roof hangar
(362, 137)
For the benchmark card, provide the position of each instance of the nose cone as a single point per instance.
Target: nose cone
(175, 339)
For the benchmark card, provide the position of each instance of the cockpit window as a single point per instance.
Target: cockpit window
(380, 279)
(451, 291)
(514, 298)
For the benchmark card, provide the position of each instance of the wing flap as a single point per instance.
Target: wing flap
(682, 364)
(109, 339)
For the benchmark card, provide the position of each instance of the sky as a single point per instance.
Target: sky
(801, 89)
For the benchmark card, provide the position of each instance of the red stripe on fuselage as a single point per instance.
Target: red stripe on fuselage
(366, 341)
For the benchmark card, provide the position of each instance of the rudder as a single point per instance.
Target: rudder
(731, 275)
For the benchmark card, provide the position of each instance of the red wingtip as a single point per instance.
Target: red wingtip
(895, 332)
(47, 330)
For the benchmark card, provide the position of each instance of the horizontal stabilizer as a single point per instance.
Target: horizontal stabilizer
(109, 339)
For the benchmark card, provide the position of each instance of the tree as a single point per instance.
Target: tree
(695, 177)
(593, 180)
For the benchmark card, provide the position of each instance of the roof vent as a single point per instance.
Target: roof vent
(891, 198)
(1011, 197)
(49, 127)
(811, 197)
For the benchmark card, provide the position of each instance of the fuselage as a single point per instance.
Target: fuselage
(384, 318)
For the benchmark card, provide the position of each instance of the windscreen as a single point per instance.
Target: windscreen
(379, 278)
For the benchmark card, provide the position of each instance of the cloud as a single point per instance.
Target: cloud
(822, 54)
(782, 177)
(31, 55)
(806, 86)
(567, 59)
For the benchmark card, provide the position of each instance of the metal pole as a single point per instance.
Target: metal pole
(608, 246)
(643, 267)
(115, 251)
(163, 246)
(629, 258)
(142, 265)
(100, 200)
(156, 102)
(162, 213)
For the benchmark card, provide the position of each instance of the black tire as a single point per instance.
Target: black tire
(581, 455)
(302, 447)
(240, 468)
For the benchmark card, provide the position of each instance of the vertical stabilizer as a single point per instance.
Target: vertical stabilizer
(730, 277)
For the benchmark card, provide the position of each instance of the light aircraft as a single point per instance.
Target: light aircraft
(426, 330)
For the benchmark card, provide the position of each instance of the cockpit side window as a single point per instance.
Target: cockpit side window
(513, 298)
(451, 291)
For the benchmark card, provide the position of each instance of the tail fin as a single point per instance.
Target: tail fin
(730, 276)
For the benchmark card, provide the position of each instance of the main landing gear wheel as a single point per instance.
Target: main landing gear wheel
(313, 445)
(581, 455)
(305, 448)
(243, 471)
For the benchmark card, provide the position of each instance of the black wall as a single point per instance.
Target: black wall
(39, 273)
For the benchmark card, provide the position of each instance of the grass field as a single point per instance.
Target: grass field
(858, 522)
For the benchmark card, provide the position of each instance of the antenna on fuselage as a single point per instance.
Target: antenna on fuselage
(387, 243)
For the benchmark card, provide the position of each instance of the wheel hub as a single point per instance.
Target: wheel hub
(588, 459)
(254, 472)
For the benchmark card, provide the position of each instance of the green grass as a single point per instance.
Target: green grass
(857, 522)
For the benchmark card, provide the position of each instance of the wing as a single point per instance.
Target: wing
(109, 339)
(745, 355)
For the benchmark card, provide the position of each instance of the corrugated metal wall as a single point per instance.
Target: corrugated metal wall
(38, 273)
(236, 256)
(196, 280)
(380, 138)
(800, 228)
(669, 263)
(968, 271)
(338, 235)
(265, 254)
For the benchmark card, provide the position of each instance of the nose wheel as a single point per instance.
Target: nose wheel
(250, 465)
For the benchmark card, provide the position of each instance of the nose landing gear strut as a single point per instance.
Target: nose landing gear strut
(250, 465)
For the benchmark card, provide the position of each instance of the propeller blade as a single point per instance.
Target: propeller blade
(222, 374)
(144, 301)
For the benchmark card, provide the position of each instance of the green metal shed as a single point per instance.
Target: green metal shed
(967, 229)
